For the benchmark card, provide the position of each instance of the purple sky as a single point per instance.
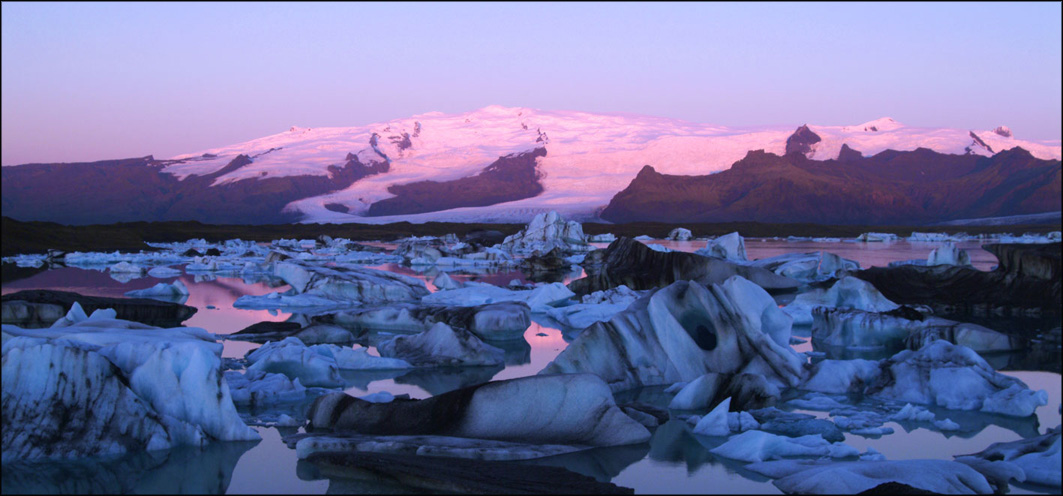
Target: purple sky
(86, 82)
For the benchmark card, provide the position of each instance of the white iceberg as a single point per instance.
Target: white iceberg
(848, 292)
(728, 247)
(545, 232)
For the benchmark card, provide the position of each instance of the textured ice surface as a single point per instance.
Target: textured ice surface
(684, 331)
(146, 388)
(442, 345)
(848, 292)
(544, 233)
(756, 446)
(729, 247)
(851, 477)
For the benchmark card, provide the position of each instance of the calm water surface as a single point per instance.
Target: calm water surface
(674, 462)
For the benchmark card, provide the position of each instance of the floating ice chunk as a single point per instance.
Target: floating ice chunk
(257, 389)
(697, 394)
(77, 315)
(349, 283)
(728, 247)
(913, 413)
(926, 237)
(442, 346)
(874, 237)
(126, 268)
(948, 255)
(840, 376)
(845, 477)
(358, 358)
(684, 331)
(545, 232)
(472, 294)
(175, 290)
(285, 421)
(659, 247)
(643, 237)
(756, 446)
(946, 425)
(163, 272)
(848, 292)
(436, 446)
(443, 282)
(99, 385)
(1038, 457)
(601, 238)
(292, 358)
(720, 422)
(953, 377)
(808, 267)
(572, 409)
(680, 234)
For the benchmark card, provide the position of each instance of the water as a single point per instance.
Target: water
(674, 462)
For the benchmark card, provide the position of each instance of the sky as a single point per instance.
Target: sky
(84, 82)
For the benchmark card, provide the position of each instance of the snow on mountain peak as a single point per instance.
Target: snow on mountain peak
(1003, 131)
(877, 125)
(591, 156)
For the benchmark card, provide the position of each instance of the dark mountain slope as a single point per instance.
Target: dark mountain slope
(891, 187)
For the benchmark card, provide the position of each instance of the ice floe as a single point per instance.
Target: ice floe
(684, 331)
(570, 409)
(852, 477)
(442, 345)
(728, 247)
(848, 292)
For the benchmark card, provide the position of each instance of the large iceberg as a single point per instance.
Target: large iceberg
(940, 373)
(573, 409)
(848, 292)
(544, 233)
(846, 327)
(757, 446)
(349, 283)
(102, 386)
(683, 331)
(948, 255)
(506, 320)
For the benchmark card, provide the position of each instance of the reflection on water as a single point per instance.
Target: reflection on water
(182, 470)
(674, 461)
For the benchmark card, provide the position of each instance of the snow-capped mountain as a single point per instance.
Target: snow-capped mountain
(581, 160)
(590, 157)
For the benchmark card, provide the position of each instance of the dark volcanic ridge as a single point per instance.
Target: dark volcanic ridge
(916, 187)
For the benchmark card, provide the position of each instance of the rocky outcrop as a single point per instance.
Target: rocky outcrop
(919, 186)
(139, 189)
(512, 177)
(630, 263)
(801, 141)
(42, 307)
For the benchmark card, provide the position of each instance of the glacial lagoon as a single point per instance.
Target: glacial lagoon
(674, 461)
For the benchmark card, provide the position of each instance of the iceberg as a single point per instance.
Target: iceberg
(545, 232)
(442, 345)
(683, 331)
(103, 386)
(728, 247)
(575, 409)
(852, 477)
(848, 292)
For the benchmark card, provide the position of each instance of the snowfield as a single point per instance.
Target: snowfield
(590, 157)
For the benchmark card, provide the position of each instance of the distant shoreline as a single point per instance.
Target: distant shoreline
(38, 237)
